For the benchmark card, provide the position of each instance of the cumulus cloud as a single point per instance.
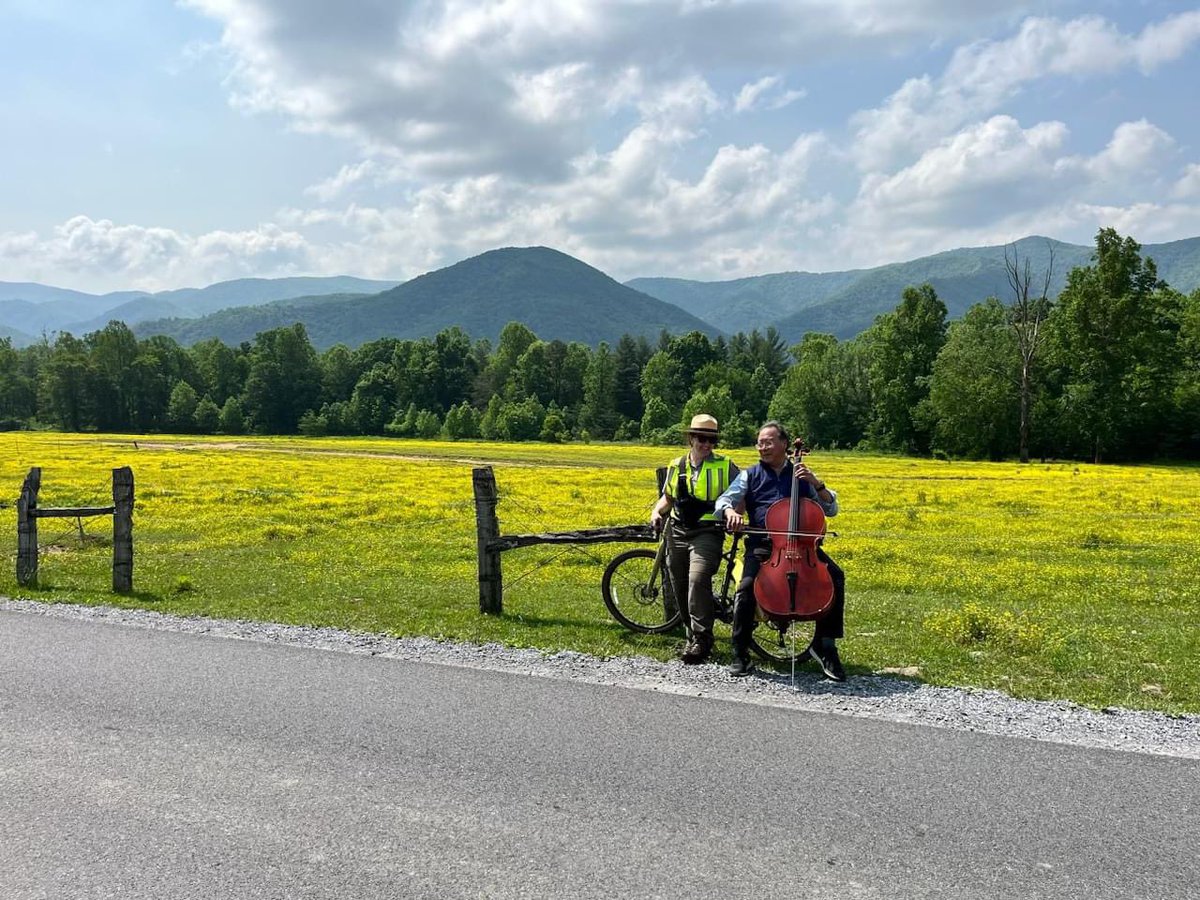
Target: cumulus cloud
(626, 133)
(101, 254)
(1188, 186)
(463, 88)
(766, 93)
(983, 75)
(994, 181)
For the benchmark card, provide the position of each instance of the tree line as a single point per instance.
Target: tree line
(1110, 369)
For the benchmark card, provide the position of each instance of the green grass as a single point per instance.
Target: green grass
(1050, 581)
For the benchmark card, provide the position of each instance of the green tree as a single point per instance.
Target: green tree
(222, 370)
(66, 383)
(18, 391)
(114, 379)
(340, 371)
(693, 351)
(598, 413)
(554, 427)
(975, 393)
(534, 375)
(905, 343)
(521, 420)
(405, 423)
(826, 396)
(462, 422)
(1115, 328)
(284, 380)
(181, 410)
(207, 418)
(497, 377)
(428, 424)
(313, 424)
(490, 426)
(371, 404)
(655, 420)
(630, 358)
(662, 380)
(716, 401)
(233, 419)
(455, 368)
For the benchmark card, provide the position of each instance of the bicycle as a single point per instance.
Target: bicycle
(638, 593)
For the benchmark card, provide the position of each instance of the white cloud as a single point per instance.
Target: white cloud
(347, 176)
(1188, 186)
(99, 255)
(766, 93)
(985, 165)
(520, 87)
(983, 75)
(996, 181)
(1136, 152)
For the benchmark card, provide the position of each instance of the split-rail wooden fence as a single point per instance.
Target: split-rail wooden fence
(28, 513)
(490, 543)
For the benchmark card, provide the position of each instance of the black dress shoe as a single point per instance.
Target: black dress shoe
(826, 654)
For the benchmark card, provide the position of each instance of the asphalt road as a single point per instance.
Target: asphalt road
(150, 764)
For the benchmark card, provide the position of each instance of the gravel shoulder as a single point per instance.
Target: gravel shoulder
(874, 696)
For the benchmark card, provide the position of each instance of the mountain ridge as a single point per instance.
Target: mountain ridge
(962, 277)
(560, 288)
(556, 295)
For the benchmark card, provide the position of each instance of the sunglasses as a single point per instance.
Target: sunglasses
(705, 439)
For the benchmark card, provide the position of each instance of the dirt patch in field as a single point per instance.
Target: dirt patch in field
(242, 446)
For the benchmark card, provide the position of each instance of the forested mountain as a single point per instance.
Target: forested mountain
(1108, 369)
(32, 309)
(558, 295)
(755, 302)
(18, 338)
(846, 303)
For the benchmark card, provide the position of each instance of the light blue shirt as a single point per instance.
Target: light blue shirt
(736, 493)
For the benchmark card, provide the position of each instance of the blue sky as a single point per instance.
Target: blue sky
(153, 145)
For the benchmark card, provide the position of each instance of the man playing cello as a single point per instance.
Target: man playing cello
(757, 488)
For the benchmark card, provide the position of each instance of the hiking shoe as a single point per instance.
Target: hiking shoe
(826, 654)
(741, 667)
(696, 652)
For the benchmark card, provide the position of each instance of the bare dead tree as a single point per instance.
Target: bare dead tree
(1027, 316)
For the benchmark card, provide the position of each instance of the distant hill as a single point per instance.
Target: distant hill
(131, 312)
(18, 338)
(36, 308)
(39, 293)
(846, 303)
(747, 303)
(556, 295)
(257, 291)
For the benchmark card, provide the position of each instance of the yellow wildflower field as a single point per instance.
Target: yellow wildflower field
(1055, 580)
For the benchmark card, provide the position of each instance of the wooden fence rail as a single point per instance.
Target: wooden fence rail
(490, 543)
(28, 513)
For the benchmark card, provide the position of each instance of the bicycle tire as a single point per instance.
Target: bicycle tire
(783, 648)
(632, 600)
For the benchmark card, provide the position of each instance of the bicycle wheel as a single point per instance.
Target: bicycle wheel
(783, 647)
(636, 601)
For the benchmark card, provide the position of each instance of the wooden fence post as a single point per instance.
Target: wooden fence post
(122, 493)
(27, 537)
(487, 529)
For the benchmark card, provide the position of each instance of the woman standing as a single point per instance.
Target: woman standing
(694, 482)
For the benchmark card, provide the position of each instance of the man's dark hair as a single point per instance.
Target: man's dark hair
(779, 429)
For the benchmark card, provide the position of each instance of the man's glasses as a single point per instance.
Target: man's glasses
(704, 439)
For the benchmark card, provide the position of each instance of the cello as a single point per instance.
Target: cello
(793, 582)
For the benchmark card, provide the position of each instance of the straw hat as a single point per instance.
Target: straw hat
(704, 424)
